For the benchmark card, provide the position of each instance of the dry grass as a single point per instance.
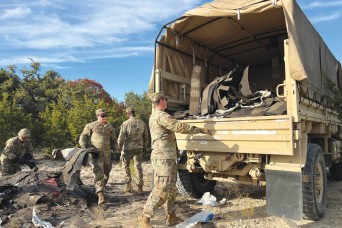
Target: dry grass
(99, 213)
(77, 222)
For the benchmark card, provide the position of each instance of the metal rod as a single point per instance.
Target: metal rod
(156, 41)
(247, 32)
(200, 26)
(237, 44)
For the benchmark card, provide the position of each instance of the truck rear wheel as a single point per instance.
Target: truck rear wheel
(336, 171)
(314, 190)
(193, 184)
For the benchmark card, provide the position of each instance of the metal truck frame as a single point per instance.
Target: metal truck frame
(287, 153)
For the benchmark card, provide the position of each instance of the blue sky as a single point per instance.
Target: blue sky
(112, 41)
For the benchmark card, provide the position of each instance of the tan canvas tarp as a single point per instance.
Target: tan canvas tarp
(219, 33)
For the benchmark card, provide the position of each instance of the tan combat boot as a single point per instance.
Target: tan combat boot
(101, 198)
(171, 219)
(129, 188)
(145, 222)
(140, 190)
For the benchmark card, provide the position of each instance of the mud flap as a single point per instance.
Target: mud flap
(284, 194)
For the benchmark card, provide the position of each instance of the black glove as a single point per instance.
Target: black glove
(17, 160)
(27, 157)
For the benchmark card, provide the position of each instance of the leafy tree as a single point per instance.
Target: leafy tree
(55, 125)
(89, 88)
(9, 81)
(81, 113)
(55, 110)
(12, 119)
(37, 91)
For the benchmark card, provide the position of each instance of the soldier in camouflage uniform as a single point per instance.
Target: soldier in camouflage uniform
(17, 149)
(163, 157)
(101, 135)
(132, 142)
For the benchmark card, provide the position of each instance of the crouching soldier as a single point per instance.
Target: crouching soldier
(17, 150)
(101, 135)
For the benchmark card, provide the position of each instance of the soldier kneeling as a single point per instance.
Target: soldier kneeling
(18, 151)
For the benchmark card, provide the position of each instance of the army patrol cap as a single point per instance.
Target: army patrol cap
(156, 97)
(24, 133)
(100, 112)
(130, 110)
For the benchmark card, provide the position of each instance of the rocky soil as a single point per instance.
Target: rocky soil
(245, 206)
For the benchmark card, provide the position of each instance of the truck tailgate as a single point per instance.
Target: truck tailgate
(257, 135)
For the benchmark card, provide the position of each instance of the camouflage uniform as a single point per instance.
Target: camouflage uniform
(15, 150)
(132, 142)
(103, 138)
(164, 156)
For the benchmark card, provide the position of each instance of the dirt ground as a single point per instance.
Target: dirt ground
(245, 206)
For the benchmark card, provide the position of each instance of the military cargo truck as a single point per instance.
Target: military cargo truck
(258, 75)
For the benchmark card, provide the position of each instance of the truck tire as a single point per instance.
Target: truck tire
(336, 171)
(192, 184)
(314, 190)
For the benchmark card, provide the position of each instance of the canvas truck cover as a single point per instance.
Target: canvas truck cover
(219, 34)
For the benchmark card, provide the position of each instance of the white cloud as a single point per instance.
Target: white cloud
(76, 56)
(62, 26)
(329, 17)
(19, 12)
(322, 4)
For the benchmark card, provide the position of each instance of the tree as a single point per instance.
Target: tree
(55, 110)
(90, 88)
(9, 81)
(55, 124)
(37, 91)
(12, 119)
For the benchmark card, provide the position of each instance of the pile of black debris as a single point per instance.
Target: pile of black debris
(231, 96)
(22, 192)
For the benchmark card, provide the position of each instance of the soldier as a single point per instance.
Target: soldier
(132, 142)
(17, 149)
(101, 135)
(163, 127)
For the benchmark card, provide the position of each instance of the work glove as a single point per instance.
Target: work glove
(205, 131)
(27, 157)
(17, 160)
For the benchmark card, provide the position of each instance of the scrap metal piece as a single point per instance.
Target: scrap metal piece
(28, 199)
(37, 222)
(277, 108)
(7, 191)
(244, 84)
(72, 169)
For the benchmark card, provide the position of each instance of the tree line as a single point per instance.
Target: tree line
(56, 110)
